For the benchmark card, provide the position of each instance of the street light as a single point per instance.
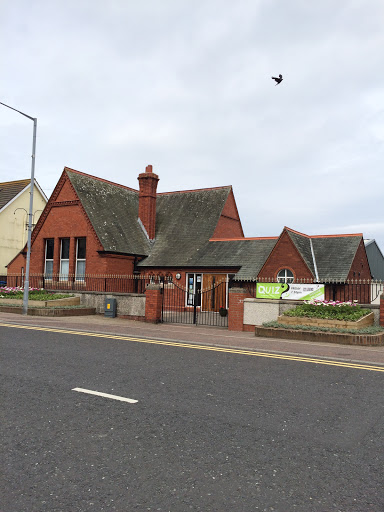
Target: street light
(26, 281)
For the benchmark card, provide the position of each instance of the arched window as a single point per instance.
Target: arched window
(285, 276)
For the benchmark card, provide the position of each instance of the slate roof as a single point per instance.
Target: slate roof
(10, 189)
(334, 255)
(112, 210)
(375, 259)
(185, 221)
(303, 245)
(249, 255)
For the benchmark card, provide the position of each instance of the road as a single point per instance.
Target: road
(207, 430)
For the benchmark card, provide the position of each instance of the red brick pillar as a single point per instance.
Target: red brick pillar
(56, 257)
(382, 310)
(236, 309)
(153, 302)
(72, 256)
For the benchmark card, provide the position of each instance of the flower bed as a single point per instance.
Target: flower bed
(328, 314)
(67, 301)
(39, 294)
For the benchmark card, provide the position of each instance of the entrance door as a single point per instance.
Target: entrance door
(216, 295)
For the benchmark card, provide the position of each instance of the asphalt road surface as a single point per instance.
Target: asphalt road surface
(205, 430)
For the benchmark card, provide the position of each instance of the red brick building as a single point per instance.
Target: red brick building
(91, 226)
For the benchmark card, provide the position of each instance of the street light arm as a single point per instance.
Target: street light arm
(22, 113)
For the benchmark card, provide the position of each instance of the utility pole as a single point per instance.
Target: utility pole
(26, 280)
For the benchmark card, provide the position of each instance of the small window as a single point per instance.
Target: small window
(80, 259)
(64, 259)
(49, 249)
(285, 276)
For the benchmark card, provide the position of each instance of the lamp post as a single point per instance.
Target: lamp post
(26, 281)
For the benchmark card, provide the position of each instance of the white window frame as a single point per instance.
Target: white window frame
(64, 275)
(285, 278)
(80, 276)
(48, 275)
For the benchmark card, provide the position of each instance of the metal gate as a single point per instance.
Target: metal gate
(204, 307)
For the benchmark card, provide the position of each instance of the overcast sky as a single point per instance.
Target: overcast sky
(185, 85)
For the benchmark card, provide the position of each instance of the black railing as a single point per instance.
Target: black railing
(89, 282)
(364, 291)
(201, 307)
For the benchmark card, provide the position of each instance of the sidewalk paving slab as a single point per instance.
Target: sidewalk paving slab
(202, 335)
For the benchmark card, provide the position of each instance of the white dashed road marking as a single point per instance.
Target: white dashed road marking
(106, 395)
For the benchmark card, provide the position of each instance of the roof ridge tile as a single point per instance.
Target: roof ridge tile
(100, 179)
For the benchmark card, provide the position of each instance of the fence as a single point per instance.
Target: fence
(87, 282)
(364, 291)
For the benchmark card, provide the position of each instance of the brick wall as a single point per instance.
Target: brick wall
(229, 224)
(66, 219)
(360, 266)
(118, 264)
(285, 255)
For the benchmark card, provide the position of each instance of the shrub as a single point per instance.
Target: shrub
(34, 294)
(332, 310)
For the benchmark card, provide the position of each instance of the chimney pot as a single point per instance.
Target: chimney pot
(148, 168)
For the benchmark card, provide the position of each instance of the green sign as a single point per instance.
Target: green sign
(270, 290)
(290, 291)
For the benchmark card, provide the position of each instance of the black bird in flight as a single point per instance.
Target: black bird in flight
(277, 80)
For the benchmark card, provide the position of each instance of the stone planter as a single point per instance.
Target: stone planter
(81, 311)
(320, 337)
(365, 321)
(68, 301)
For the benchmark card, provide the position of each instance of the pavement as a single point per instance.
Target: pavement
(201, 335)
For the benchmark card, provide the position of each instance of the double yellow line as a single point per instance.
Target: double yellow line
(202, 347)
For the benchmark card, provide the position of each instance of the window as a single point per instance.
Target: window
(194, 287)
(64, 259)
(80, 259)
(49, 247)
(285, 276)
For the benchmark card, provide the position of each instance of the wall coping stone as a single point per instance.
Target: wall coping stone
(153, 287)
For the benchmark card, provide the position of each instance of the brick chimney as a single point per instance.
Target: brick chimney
(147, 200)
